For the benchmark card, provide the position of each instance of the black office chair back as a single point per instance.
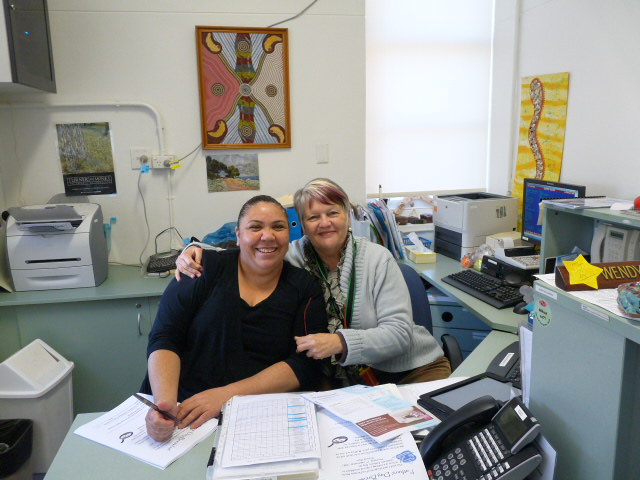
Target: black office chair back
(419, 298)
(422, 314)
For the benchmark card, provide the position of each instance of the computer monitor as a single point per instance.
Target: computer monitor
(533, 192)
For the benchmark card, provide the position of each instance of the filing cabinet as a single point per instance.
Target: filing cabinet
(449, 317)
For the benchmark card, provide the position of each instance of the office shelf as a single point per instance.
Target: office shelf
(585, 379)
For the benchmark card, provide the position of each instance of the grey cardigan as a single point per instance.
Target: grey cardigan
(382, 334)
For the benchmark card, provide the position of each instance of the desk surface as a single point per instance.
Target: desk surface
(80, 458)
(122, 282)
(504, 319)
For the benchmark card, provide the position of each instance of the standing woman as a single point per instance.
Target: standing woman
(231, 331)
(372, 338)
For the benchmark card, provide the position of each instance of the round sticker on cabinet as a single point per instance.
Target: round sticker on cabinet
(542, 312)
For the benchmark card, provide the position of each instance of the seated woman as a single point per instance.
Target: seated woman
(231, 331)
(372, 338)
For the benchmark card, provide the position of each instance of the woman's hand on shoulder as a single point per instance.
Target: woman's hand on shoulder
(319, 345)
(159, 427)
(189, 263)
(196, 410)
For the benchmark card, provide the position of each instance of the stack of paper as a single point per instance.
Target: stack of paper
(268, 436)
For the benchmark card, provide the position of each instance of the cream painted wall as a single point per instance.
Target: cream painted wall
(597, 43)
(117, 52)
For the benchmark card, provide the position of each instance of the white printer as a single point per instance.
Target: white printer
(56, 246)
(463, 221)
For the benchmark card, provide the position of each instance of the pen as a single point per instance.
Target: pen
(155, 407)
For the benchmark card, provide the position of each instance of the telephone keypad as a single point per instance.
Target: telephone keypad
(488, 453)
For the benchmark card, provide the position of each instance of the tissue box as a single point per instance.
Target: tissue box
(505, 240)
(420, 257)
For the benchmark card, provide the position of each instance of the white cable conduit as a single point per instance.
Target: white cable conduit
(151, 108)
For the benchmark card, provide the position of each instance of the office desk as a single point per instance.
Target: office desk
(478, 360)
(504, 320)
(79, 459)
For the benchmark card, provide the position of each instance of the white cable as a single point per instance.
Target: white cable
(151, 108)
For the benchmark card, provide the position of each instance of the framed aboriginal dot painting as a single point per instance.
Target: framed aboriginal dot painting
(244, 87)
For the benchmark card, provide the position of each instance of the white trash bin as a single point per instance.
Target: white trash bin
(35, 383)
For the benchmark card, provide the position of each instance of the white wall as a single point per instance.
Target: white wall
(597, 43)
(144, 51)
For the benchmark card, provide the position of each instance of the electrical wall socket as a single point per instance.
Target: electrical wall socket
(161, 161)
(139, 156)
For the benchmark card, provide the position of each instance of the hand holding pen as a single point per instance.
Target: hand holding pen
(160, 420)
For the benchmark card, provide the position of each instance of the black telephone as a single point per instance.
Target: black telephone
(483, 441)
(506, 364)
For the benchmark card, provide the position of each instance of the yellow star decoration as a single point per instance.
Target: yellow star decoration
(581, 271)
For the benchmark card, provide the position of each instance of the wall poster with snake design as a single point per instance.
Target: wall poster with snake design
(244, 87)
(543, 120)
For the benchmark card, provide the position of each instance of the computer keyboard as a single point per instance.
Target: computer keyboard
(162, 262)
(485, 287)
(526, 262)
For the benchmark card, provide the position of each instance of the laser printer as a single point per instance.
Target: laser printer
(56, 246)
(463, 221)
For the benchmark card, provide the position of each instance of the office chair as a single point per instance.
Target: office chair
(422, 314)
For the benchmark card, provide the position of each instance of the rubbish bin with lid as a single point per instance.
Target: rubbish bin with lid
(35, 384)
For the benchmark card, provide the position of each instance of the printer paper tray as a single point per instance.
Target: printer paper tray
(53, 278)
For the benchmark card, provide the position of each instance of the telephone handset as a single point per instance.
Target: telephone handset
(506, 364)
(614, 244)
(483, 441)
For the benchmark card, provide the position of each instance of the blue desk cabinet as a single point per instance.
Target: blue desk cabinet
(585, 378)
(449, 317)
(103, 330)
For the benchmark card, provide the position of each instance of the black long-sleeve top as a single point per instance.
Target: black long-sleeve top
(220, 339)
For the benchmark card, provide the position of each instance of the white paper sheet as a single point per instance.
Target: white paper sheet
(124, 429)
(348, 455)
(380, 412)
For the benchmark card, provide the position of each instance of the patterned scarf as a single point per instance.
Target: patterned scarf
(336, 306)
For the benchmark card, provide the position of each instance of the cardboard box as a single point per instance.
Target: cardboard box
(420, 257)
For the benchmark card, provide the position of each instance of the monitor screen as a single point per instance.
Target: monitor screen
(533, 192)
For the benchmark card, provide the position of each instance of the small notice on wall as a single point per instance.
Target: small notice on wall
(86, 158)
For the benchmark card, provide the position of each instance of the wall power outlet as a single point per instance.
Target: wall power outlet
(161, 161)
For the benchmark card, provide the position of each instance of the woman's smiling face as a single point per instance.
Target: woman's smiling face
(326, 226)
(263, 236)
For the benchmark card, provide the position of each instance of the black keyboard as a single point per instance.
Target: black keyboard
(162, 262)
(485, 287)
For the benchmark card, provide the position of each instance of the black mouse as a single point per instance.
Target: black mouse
(521, 308)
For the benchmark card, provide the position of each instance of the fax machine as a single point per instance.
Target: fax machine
(56, 246)
(463, 221)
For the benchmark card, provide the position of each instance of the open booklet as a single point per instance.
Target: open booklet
(124, 429)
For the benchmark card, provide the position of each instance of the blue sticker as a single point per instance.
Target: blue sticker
(406, 457)
(144, 168)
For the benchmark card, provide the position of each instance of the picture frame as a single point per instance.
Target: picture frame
(243, 76)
